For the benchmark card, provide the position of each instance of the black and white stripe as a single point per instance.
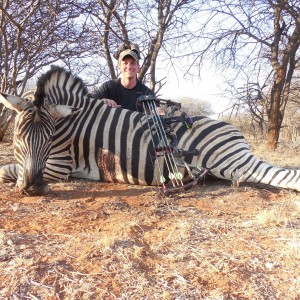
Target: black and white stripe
(102, 143)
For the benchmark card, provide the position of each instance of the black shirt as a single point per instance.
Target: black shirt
(114, 90)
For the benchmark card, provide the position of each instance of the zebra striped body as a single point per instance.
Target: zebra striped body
(93, 141)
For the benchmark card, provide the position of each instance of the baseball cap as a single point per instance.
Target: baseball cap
(128, 52)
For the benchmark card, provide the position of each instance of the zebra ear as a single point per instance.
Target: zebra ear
(12, 102)
(62, 111)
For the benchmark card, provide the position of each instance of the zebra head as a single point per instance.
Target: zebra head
(34, 128)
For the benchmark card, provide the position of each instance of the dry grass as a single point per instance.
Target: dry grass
(286, 155)
(88, 240)
(275, 216)
(293, 247)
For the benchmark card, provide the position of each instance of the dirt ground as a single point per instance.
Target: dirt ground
(91, 240)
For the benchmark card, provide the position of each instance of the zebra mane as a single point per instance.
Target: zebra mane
(55, 79)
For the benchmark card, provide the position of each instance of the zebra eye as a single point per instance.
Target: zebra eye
(30, 110)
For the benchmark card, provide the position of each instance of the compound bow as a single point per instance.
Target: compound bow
(165, 144)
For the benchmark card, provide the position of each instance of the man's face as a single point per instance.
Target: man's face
(129, 67)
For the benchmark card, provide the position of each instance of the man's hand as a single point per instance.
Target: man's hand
(110, 103)
(160, 111)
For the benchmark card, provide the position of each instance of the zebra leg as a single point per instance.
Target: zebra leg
(9, 173)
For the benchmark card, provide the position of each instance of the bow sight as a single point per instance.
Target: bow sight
(175, 174)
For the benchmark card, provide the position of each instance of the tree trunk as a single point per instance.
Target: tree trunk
(274, 114)
(5, 119)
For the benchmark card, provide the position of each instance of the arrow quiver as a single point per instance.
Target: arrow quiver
(172, 168)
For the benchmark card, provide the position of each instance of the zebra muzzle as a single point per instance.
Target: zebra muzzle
(32, 186)
(33, 190)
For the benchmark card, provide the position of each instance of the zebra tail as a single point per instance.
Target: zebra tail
(265, 173)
